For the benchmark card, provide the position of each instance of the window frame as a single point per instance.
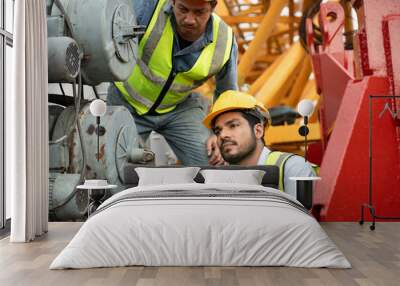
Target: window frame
(6, 39)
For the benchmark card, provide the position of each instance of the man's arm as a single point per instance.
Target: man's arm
(226, 79)
(143, 10)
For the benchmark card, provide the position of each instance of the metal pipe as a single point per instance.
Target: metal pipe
(259, 82)
(221, 9)
(300, 84)
(348, 23)
(264, 31)
(269, 94)
(291, 24)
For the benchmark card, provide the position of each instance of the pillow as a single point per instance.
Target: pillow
(166, 176)
(248, 177)
(271, 178)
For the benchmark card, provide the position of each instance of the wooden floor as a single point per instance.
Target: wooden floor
(375, 257)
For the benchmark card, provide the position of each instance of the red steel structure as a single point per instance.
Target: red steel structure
(346, 79)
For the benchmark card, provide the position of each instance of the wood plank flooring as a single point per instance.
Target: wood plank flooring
(375, 257)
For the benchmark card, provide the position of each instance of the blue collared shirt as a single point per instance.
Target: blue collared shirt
(185, 58)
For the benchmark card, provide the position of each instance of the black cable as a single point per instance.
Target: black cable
(62, 89)
(305, 137)
(67, 20)
(312, 10)
(78, 107)
(98, 137)
(49, 6)
(96, 94)
(81, 92)
(310, 13)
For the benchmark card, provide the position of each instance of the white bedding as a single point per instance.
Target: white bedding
(183, 230)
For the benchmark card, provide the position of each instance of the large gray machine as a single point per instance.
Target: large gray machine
(102, 33)
(90, 42)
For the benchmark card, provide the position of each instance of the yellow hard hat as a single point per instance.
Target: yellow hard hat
(233, 100)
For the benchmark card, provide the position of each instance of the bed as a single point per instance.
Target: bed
(201, 224)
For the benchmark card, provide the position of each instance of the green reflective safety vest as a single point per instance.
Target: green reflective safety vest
(279, 159)
(153, 85)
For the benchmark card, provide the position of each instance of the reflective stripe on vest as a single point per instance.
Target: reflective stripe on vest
(154, 64)
(279, 159)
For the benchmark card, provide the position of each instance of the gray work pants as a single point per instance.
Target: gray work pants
(182, 127)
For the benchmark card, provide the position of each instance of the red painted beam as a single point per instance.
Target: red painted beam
(345, 166)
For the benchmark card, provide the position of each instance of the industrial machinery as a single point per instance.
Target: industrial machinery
(347, 63)
(118, 146)
(102, 33)
(89, 42)
(359, 115)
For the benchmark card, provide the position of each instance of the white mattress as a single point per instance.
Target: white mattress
(185, 230)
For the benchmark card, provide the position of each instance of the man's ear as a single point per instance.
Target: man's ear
(259, 130)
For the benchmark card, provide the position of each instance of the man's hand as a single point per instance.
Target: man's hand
(213, 152)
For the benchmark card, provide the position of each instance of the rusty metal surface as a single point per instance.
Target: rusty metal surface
(105, 164)
(118, 144)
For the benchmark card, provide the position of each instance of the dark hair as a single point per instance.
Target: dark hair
(251, 119)
(252, 116)
(213, 3)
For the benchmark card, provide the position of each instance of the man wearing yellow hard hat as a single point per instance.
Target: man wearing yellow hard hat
(239, 120)
(184, 45)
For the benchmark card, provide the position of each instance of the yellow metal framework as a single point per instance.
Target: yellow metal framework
(273, 65)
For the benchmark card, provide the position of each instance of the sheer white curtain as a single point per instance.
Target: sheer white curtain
(27, 124)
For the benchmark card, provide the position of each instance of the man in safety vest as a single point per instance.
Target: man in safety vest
(239, 120)
(184, 45)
